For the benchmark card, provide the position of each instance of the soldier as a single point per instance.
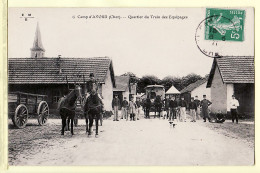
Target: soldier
(124, 109)
(91, 83)
(204, 105)
(148, 105)
(193, 109)
(183, 105)
(138, 111)
(197, 101)
(166, 106)
(173, 106)
(115, 106)
(132, 107)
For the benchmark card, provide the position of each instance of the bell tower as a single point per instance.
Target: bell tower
(37, 51)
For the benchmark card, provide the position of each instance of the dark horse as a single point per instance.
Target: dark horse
(158, 106)
(93, 109)
(67, 109)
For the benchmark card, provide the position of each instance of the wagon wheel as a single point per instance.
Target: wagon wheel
(43, 113)
(20, 116)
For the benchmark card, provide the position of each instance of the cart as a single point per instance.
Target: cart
(22, 106)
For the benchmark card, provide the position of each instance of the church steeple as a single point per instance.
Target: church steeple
(37, 51)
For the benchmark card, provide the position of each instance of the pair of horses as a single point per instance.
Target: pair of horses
(92, 107)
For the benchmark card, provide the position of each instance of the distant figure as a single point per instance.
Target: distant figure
(204, 105)
(233, 108)
(197, 101)
(115, 106)
(138, 110)
(132, 107)
(148, 105)
(124, 113)
(166, 106)
(193, 109)
(173, 106)
(183, 105)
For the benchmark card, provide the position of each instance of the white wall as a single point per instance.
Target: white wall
(200, 91)
(107, 92)
(126, 94)
(218, 94)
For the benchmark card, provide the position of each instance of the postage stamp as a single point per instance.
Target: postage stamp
(224, 24)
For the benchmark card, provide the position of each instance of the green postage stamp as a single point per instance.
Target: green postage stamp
(224, 24)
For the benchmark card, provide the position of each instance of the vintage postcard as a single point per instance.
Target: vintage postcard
(131, 87)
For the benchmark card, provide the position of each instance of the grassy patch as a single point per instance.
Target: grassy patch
(242, 131)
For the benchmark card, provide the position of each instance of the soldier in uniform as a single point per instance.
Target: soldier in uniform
(173, 106)
(124, 113)
(138, 111)
(132, 107)
(193, 108)
(92, 86)
(204, 105)
(183, 105)
(148, 105)
(115, 106)
(166, 106)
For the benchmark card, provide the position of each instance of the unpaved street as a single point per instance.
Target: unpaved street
(143, 142)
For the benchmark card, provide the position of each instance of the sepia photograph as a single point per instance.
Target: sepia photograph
(131, 86)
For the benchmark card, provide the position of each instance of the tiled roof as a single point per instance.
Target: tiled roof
(55, 70)
(234, 69)
(122, 83)
(194, 85)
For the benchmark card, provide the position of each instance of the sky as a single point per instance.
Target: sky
(146, 46)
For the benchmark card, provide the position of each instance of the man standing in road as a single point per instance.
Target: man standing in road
(132, 107)
(197, 101)
(138, 110)
(233, 108)
(115, 106)
(148, 105)
(166, 106)
(173, 106)
(193, 109)
(183, 106)
(204, 105)
(124, 113)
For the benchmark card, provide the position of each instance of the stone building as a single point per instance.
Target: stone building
(232, 75)
(52, 76)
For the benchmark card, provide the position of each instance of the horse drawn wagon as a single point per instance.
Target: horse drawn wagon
(156, 94)
(22, 106)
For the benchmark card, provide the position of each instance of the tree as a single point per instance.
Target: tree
(189, 79)
(145, 81)
(133, 77)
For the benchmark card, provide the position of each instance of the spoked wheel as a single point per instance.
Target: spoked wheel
(20, 116)
(43, 113)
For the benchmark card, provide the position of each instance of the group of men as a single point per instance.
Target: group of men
(130, 109)
(172, 107)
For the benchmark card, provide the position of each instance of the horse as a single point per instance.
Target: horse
(158, 106)
(67, 109)
(93, 109)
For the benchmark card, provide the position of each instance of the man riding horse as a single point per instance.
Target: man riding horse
(93, 106)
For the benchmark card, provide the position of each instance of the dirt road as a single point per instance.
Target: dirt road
(143, 142)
